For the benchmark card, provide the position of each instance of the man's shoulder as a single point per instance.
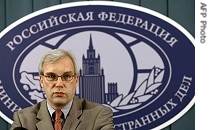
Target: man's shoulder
(34, 108)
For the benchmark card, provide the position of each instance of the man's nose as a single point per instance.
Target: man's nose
(59, 81)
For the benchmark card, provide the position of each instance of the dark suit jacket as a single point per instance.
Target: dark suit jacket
(83, 115)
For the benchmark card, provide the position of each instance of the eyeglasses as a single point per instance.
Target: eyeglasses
(64, 77)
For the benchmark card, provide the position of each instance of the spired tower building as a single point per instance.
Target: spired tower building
(92, 83)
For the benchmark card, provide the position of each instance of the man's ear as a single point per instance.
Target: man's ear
(77, 79)
(41, 80)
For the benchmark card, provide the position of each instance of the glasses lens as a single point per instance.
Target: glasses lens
(51, 77)
(67, 77)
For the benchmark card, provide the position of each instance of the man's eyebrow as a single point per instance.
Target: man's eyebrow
(48, 73)
(67, 72)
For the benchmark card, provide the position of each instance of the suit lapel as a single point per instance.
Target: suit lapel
(43, 115)
(72, 120)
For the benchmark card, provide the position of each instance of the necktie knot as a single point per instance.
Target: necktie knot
(58, 114)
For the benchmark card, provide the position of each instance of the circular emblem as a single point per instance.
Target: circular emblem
(131, 59)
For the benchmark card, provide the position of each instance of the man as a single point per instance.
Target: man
(59, 79)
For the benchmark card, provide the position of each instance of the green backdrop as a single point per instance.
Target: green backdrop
(181, 11)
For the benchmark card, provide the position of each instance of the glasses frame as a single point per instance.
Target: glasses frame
(61, 76)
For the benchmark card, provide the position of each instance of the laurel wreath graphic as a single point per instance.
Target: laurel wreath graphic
(32, 85)
(147, 89)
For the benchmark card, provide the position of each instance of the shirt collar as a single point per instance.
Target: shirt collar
(65, 110)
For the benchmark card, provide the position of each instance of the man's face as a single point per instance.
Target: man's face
(60, 92)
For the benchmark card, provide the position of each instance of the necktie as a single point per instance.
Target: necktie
(57, 124)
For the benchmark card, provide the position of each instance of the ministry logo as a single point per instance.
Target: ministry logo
(138, 62)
